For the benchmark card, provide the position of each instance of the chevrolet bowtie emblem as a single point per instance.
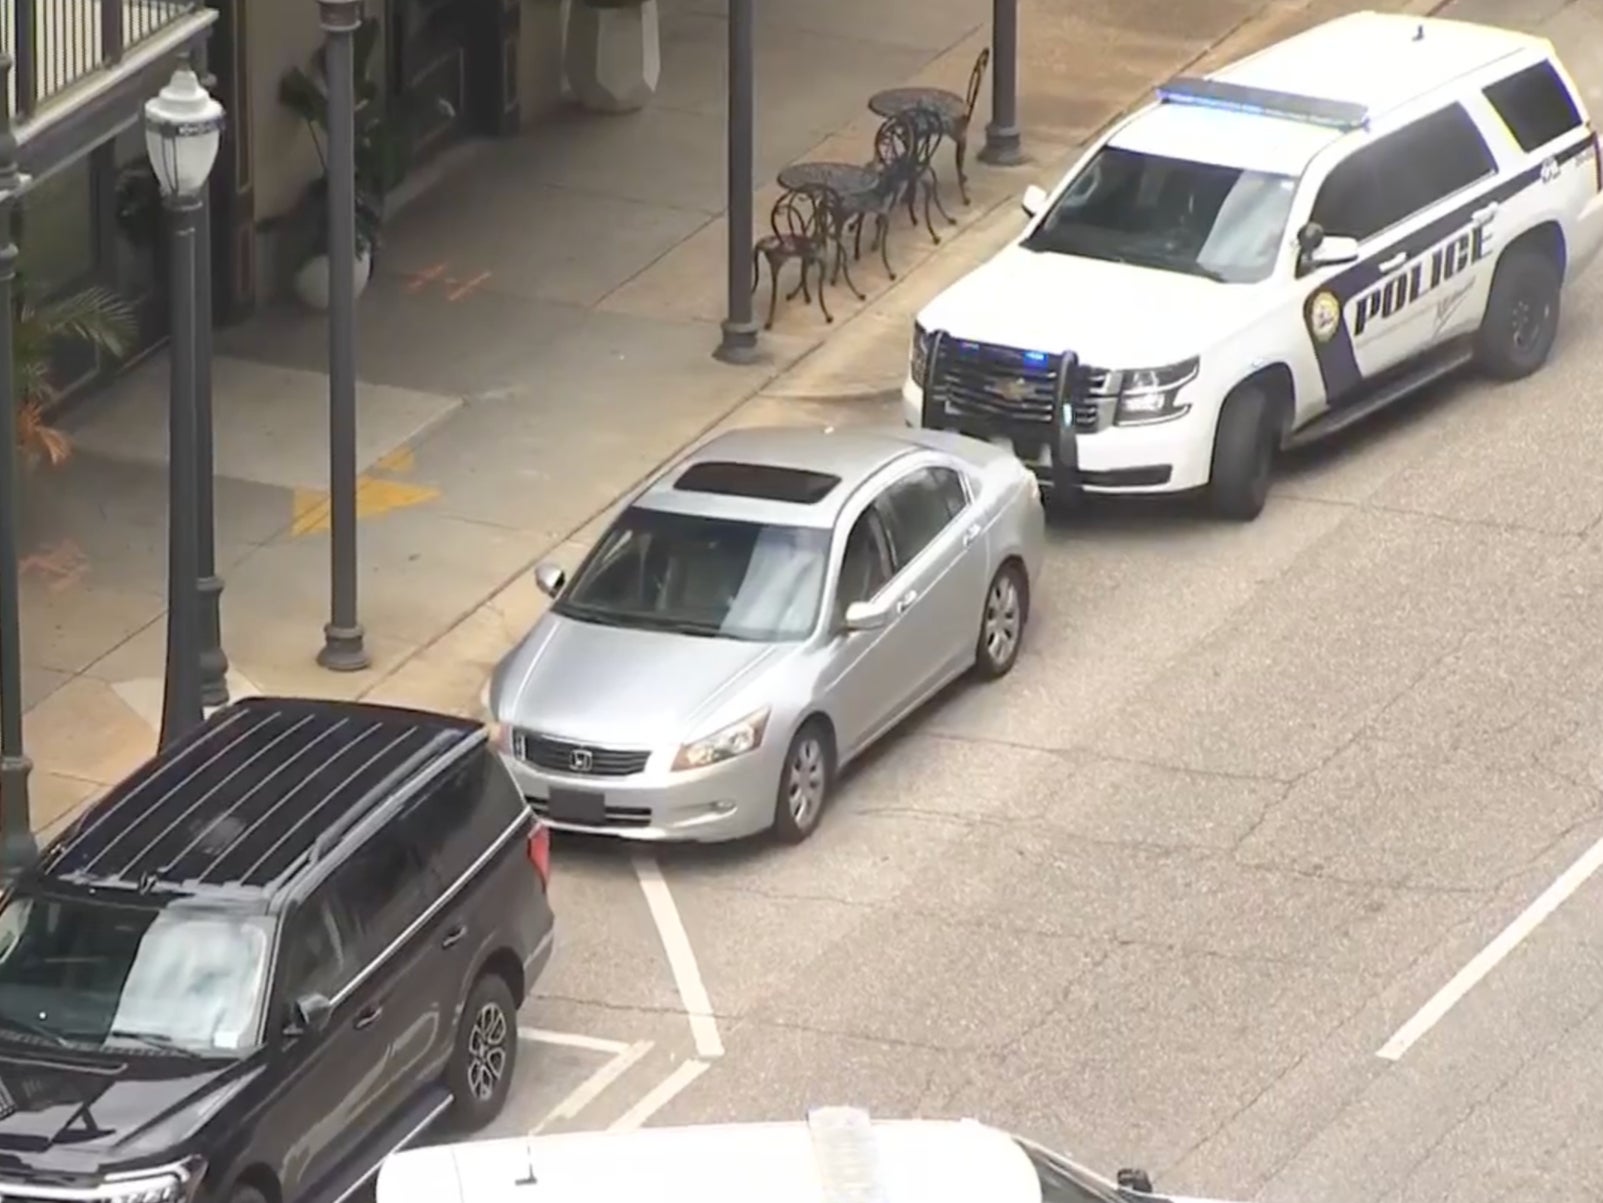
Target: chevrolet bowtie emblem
(1016, 389)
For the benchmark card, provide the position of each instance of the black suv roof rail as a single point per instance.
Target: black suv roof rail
(266, 787)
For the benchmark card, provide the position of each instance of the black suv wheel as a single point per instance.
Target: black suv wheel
(486, 1052)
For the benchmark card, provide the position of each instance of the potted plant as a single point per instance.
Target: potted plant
(613, 54)
(304, 92)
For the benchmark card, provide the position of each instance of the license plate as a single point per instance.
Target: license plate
(578, 806)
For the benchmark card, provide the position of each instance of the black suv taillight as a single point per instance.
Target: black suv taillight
(540, 852)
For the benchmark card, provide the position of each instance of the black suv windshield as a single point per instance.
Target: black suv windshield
(98, 973)
(702, 576)
(1220, 222)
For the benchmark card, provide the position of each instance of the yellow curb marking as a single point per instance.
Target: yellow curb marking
(373, 497)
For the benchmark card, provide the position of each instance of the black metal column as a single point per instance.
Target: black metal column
(1002, 148)
(212, 660)
(181, 703)
(343, 649)
(18, 848)
(739, 342)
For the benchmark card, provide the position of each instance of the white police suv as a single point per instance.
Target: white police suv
(1263, 256)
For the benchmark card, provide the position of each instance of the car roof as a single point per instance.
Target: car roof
(851, 456)
(263, 790)
(910, 1161)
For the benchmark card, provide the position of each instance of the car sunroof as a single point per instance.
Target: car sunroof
(763, 481)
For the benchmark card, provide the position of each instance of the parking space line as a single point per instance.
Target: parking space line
(1487, 959)
(659, 1096)
(573, 1040)
(594, 1086)
(681, 959)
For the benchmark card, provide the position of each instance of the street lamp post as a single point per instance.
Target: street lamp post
(183, 126)
(18, 848)
(1002, 148)
(739, 342)
(343, 649)
(213, 661)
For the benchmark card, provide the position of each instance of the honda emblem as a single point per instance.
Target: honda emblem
(580, 760)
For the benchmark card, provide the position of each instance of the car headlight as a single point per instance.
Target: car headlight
(919, 359)
(738, 738)
(175, 1185)
(1149, 395)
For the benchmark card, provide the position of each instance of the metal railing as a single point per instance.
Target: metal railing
(59, 44)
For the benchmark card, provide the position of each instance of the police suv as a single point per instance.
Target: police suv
(1265, 255)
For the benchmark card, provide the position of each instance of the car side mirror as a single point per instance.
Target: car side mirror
(549, 579)
(865, 616)
(1135, 1180)
(1033, 200)
(1333, 251)
(308, 1015)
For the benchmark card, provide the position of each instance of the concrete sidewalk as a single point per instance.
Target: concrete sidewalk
(536, 339)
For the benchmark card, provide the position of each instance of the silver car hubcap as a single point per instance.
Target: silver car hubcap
(487, 1051)
(804, 782)
(1002, 620)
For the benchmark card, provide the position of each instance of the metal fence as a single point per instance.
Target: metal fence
(58, 44)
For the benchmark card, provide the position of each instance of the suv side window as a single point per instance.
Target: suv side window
(315, 959)
(1402, 174)
(454, 823)
(916, 509)
(1535, 104)
(378, 891)
(865, 567)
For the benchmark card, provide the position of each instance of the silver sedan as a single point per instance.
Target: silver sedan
(755, 618)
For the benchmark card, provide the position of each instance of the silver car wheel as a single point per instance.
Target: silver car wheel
(806, 778)
(1002, 612)
(487, 1051)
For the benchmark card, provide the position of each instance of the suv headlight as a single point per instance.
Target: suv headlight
(738, 738)
(1148, 395)
(174, 1185)
(919, 360)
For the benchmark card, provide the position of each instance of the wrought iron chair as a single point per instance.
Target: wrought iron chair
(894, 166)
(801, 222)
(958, 122)
(929, 127)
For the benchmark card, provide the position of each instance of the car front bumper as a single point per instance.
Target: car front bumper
(1166, 457)
(727, 801)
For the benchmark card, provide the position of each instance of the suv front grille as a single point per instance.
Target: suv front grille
(988, 381)
(583, 760)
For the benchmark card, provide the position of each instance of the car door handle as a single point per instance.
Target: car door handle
(455, 934)
(1396, 261)
(367, 1018)
(1484, 214)
(971, 534)
(905, 602)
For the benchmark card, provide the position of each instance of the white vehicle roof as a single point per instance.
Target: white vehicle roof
(826, 1159)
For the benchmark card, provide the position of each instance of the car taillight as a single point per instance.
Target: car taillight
(540, 852)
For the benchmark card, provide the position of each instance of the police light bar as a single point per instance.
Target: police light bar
(847, 1155)
(1263, 102)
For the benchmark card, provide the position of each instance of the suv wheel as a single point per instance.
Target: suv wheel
(1243, 455)
(245, 1193)
(1521, 319)
(480, 1070)
(804, 783)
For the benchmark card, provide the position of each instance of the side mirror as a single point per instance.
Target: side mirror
(549, 579)
(1334, 251)
(866, 616)
(1135, 1180)
(1033, 201)
(1310, 236)
(308, 1015)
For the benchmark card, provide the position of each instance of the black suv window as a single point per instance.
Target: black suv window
(316, 955)
(866, 565)
(1402, 174)
(378, 892)
(916, 509)
(457, 821)
(1535, 105)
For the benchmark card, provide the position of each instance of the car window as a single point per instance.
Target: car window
(953, 493)
(316, 957)
(916, 509)
(1402, 174)
(454, 823)
(377, 892)
(866, 565)
(1535, 104)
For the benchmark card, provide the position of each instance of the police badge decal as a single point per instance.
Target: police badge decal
(1324, 316)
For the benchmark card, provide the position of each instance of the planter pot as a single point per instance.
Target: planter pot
(613, 56)
(311, 281)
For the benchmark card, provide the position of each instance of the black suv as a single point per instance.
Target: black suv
(267, 959)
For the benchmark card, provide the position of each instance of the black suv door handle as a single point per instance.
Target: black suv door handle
(455, 934)
(366, 1018)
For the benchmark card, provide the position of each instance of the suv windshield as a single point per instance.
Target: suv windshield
(702, 576)
(1220, 222)
(98, 973)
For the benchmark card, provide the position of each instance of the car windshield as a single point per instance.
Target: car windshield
(1062, 1182)
(657, 570)
(97, 973)
(1223, 223)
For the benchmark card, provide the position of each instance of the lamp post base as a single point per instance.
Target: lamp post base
(1002, 147)
(739, 344)
(18, 847)
(213, 660)
(342, 650)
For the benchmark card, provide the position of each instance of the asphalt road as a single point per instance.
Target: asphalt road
(1214, 882)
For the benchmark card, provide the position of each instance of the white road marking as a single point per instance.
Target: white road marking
(573, 1040)
(594, 1086)
(1487, 959)
(659, 1096)
(681, 960)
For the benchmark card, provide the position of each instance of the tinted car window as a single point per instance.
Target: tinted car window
(1535, 105)
(377, 892)
(866, 565)
(316, 954)
(455, 823)
(915, 510)
(953, 494)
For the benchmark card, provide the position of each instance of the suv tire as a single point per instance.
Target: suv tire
(244, 1192)
(1243, 455)
(805, 782)
(1522, 311)
(1007, 607)
(486, 1052)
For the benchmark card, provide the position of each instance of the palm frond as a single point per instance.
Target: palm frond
(96, 316)
(38, 439)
